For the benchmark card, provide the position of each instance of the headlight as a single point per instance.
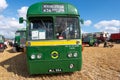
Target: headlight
(69, 55)
(75, 54)
(39, 56)
(32, 56)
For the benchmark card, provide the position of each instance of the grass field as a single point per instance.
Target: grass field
(98, 64)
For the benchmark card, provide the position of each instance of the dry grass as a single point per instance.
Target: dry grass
(98, 64)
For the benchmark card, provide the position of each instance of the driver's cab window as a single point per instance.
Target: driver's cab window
(23, 34)
(67, 28)
(17, 34)
(61, 28)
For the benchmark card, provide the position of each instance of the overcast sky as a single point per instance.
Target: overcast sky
(98, 15)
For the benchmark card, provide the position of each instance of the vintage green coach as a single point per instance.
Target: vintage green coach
(53, 38)
(20, 40)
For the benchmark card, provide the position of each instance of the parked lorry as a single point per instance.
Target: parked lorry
(101, 36)
(20, 40)
(115, 37)
(2, 40)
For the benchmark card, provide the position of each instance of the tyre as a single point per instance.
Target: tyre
(14, 49)
(1, 50)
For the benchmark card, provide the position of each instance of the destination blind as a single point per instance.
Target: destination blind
(57, 8)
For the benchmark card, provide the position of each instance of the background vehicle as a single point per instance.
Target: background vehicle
(53, 38)
(90, 40)
(20, 40)
(2, 40)
(102, 36)
(115, 37)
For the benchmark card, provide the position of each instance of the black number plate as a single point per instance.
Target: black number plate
(55, 70)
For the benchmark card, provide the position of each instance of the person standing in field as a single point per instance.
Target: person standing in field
(5, 44)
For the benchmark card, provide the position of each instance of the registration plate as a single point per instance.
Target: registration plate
(55, 70)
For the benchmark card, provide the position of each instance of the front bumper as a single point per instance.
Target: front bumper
(54, 66)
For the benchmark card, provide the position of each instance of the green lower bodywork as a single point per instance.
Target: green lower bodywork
(44, 67)
(48, 65)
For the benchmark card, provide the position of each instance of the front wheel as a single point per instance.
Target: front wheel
(91, 44)
(1, 50)
(14, 49)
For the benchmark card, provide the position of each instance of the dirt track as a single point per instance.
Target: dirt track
(98, 64)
